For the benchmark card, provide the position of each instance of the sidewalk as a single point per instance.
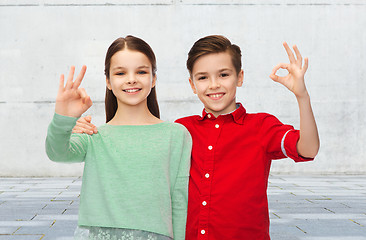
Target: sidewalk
(301, 207)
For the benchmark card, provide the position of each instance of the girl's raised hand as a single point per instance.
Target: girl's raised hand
(71, 100)
(294, 80)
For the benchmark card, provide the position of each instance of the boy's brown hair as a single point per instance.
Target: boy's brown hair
(214, 44)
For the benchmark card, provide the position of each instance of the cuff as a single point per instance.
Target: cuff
(289, 148)
(63, 123)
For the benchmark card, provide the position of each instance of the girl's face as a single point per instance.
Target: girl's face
(130, 77)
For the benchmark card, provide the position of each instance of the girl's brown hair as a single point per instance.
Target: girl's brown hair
(214, 44)
(135, 44)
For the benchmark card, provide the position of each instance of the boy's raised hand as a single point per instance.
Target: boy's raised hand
(294, 80)
(84, 125)
(71, 100)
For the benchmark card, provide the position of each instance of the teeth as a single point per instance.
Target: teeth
(216, 95)
(131, 90)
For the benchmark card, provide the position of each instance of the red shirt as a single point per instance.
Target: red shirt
(231, 159)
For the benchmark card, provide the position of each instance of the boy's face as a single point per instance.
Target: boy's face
(214, 80)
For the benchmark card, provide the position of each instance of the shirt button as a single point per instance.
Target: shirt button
(217, 126)
(209, 115)
(203, 231)
(207, 175)
(204, 203)
(210, 147)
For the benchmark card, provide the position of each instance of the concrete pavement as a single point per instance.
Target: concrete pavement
(301, 207)
(317, 207)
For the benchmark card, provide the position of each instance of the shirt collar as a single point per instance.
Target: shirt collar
(238, 114)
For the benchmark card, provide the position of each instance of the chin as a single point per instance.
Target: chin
(216, 108)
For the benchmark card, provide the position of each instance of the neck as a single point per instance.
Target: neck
(133, 115)
(227, 110)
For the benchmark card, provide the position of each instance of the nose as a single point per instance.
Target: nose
(131, 79)
(214, 83)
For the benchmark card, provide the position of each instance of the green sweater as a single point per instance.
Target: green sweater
(135, 176)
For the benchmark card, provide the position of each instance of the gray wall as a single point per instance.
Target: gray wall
(42, 39)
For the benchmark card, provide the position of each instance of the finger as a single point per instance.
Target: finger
(88, 102)
(82, 93)
(289, 53)
(278, 66)
(275, 77)
(88, 118)
(80, 77)
(306, 64)
(85, 98)
(82, 120)
(78, 129)
(84, 127)
(298, 55)
(88, 123)
(62, 83)
(69, 81)
(278, 79)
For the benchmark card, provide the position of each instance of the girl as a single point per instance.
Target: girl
(136, 167)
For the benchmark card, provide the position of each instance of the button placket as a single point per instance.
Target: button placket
(212, 135)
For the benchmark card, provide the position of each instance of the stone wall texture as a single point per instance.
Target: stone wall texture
(42, 39)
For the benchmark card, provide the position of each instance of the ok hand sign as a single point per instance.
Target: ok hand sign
(71, 100)
(294, 80)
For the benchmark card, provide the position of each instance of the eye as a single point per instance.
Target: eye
(223, 75)
(202, 78)
(120, 73)
(141, 72)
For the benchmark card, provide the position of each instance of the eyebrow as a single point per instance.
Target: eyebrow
(199, 73)
(221, 70)
(140, 67)
(225, 69)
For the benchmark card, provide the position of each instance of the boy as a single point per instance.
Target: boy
(232, 150)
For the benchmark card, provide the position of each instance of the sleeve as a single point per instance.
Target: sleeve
(180, 187)
(280, 140)
(61, 145)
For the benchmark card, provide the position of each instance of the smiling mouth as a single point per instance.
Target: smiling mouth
(216, 95)
(133, 90)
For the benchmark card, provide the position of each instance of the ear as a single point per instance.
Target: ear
(240, 78)
(192, 86)
(109, 86)
(153, 81)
